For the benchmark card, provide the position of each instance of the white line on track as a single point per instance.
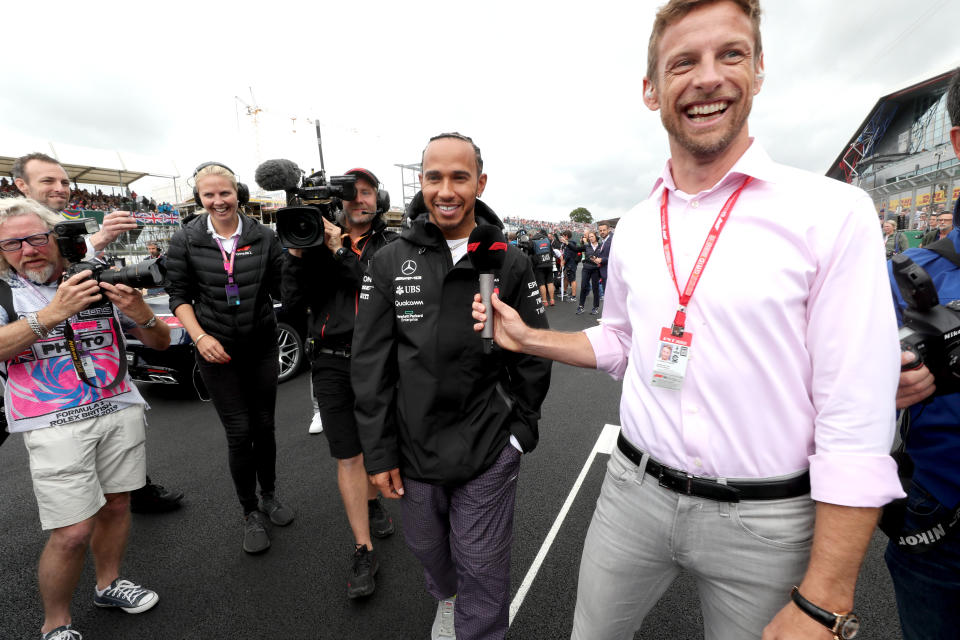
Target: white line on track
(604, 444)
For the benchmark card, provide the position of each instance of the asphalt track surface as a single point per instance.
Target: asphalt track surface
(209, 588)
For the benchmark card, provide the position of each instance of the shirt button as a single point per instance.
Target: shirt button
(695, 204)
(692, 409)
(697, 462)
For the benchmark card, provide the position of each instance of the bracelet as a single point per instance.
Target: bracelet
(36, 326)
(199, 338)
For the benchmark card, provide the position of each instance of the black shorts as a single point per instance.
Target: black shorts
(570, 273)
(331, 387)
(543, 275)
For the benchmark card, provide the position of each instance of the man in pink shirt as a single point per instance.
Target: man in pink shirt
(775, 411)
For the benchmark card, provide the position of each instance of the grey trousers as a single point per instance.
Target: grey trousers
(745, 556)
(462, 537)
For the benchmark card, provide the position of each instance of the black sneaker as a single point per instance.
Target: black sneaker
(595, 311)
(579, 309)
(279, 514)
(255, 538)
(360, 583)
(153, 498)
(381, 524)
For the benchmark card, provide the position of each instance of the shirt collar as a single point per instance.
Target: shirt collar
(754, 162)
(214, 233)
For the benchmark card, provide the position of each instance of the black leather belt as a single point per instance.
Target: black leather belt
(343, 353)
(683, 482)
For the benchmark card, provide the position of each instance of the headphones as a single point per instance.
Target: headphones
(383, 198)
(243, 193)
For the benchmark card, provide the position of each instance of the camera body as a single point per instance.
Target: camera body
(72, 247)
(524, 242)
(930, 331)
(300, 225)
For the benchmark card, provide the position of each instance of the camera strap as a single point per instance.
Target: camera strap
(6, 301)
(78, 359)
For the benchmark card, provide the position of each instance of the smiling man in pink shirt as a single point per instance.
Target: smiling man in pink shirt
(756, 459)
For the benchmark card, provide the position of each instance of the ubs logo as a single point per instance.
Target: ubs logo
(408, 268)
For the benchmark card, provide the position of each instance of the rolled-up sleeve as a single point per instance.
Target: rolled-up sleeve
(853, 346)
(612, 338)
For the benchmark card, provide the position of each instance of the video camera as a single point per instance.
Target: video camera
(930, 331)
(70, 240)
(309, 198)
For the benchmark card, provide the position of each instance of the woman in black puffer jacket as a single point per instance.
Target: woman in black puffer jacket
(223, 268)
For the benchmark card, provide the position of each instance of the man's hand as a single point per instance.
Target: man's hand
(389, 483)
(332, 235)
(114, 223)
(296, 253)
(74, 295)
(915, 384)
(791, 623)
(508, 328)
(129, 301)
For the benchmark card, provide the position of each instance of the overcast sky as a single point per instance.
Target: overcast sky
(551, 92)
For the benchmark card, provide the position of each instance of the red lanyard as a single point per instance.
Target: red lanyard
(681, 318)
(228, 266)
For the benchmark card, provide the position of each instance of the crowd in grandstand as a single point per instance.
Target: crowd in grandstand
(579, 228)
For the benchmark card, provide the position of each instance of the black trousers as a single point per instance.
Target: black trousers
(590, 278)
(244, 392)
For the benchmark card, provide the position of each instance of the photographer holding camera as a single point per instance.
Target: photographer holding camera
(85, 442)
(223, 269)
(327, 280)
(924, 556)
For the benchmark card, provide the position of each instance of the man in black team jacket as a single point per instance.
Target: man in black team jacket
(443, 425)
(327, 280)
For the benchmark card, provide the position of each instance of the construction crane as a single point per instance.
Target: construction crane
(253, 110)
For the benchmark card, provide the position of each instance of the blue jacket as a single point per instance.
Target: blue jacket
(934, 440)
(604, 255)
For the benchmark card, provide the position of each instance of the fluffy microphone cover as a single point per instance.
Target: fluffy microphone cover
(277, 175)
(487, 248)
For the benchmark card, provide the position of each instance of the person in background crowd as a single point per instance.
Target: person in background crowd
(327, 280)
(571, 258)
(942, 229)
(542, 259)
(923, 554)
(603, 254)
(590, 278)
(443, 424)
(766, 491)
(223, 268)
(86, 449)
(893, 241)
(40, 177)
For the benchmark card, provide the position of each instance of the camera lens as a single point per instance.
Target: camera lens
(300, 227)
(143, 275)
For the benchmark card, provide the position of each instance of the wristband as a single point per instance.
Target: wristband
(36, 326)
(199, 338)
(149, 323)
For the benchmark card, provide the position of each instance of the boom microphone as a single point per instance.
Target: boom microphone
(487, 249)
(277, 175)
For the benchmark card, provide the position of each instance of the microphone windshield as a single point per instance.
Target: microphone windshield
(276, 175)
(486, 248)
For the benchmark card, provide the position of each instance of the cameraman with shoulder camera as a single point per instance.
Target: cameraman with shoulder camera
(86, 443)
(924, 559)
(327, 280)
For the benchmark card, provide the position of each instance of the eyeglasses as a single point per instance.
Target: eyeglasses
(14, 244)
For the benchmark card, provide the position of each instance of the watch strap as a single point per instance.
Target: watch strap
(827, 618)
(149, 323)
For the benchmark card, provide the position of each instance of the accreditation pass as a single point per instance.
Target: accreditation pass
(670, 364)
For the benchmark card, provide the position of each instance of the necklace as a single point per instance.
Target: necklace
(459, 244)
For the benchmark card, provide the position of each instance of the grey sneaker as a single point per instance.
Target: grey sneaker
(62, 633)
(443, 622)
(279, 514)
(579, 310)
(255, 538)
(123, 594)
(595, 311)
(365, 566)
(381, 524)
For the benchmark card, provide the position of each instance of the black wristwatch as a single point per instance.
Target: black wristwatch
(843, 626)
(340, 254)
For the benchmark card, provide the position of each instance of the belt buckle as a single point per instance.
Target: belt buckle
(673, 480)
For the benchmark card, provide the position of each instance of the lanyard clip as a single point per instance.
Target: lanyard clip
(679, 321)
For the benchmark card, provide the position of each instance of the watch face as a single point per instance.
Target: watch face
(848, 627)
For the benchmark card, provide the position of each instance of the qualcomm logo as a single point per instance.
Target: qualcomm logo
(408, 268)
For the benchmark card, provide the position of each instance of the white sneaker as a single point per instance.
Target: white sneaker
(315, 425)
(443, 623)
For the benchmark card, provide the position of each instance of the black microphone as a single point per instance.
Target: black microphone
(277, 175)
(487, 249)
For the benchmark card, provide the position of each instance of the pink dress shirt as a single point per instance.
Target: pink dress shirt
(795, 358)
